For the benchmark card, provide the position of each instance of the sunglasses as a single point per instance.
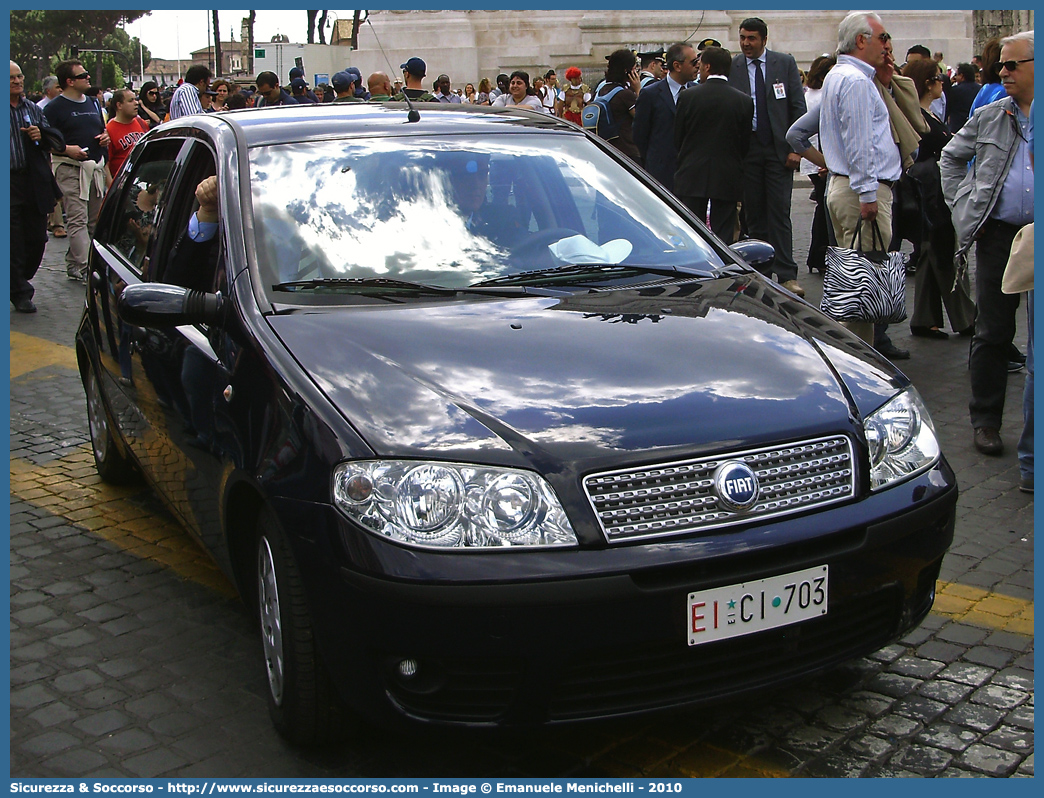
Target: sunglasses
(151, 92)
(82, 76)
(1011, 66)
(884, 37)
(935, 79)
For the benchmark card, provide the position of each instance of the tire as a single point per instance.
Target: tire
(113, 467)
(301, 699)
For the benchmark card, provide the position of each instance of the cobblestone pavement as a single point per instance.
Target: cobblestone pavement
(131, 655)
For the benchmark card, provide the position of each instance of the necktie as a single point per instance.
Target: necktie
(764, 131)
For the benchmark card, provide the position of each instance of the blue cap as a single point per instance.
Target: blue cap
(296, 72)
(416, 67)
(341, 81)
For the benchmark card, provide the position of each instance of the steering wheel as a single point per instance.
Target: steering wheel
(533, 253)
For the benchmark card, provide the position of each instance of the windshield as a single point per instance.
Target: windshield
(453, 212)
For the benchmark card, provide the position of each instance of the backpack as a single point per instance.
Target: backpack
(598, 119)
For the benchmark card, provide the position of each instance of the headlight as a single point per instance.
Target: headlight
(901, 438)
(451, 505)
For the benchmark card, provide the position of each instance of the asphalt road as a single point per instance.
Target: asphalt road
(132, 656)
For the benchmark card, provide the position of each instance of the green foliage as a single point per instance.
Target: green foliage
(40, 39)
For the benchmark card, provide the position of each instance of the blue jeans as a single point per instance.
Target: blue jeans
(1026, 440)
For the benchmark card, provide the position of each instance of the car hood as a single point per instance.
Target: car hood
(589, 380)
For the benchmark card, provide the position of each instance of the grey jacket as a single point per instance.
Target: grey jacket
(992, 138)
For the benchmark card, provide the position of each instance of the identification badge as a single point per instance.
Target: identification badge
(780, 90)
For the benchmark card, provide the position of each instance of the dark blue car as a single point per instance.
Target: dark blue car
(488, 429)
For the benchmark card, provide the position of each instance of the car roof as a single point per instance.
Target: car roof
(261, 126)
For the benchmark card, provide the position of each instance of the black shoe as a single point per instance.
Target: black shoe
(988, 441)
(969, 330)
(1026, 484)
(25, 306)
(1014, 367)
(928, 332)
(1015, 355)
(893, 352)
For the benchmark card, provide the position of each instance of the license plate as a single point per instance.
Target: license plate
(749, 607)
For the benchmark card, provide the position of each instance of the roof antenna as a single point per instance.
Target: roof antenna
(414, 114)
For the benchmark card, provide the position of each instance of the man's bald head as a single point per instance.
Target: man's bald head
(379, 83)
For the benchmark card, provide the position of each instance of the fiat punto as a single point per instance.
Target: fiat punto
(488, 429)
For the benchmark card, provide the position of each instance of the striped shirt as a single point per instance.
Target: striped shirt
(185, 101)
(854, 128)
(23, 115)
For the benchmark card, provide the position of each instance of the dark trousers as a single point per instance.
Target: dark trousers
(994, 325)
(819, 242)
(28, 236)
(722, 215)
(767, 187)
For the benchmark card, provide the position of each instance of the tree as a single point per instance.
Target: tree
(321, 26)
(41, 38)
(218, 69)
(250, 41)
(122, 42)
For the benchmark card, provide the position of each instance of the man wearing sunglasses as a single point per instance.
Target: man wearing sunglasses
(654, 113)
(80, 169)
(858, 146)
(990, 202)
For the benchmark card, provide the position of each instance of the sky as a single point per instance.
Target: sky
(174, 34)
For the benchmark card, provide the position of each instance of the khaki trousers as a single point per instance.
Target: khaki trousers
(81, 216)
(844, 207)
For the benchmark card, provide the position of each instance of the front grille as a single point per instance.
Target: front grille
(675, 498)
(658, 676)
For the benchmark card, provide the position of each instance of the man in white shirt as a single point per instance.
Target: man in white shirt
(51, 89)
(857, 140)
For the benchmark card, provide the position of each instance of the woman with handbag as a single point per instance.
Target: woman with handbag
(936, 284)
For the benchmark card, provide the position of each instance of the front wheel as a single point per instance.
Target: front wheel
(113, 467)
(301, 699)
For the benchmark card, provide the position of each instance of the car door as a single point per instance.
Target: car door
(182, 378)
(126, 239)
(161, 381)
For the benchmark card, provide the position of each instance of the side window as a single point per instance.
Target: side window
(143, 198)
(186, 262)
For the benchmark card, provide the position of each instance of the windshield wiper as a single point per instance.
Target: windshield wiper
(384, 286)
(579, 272)
(375, 286)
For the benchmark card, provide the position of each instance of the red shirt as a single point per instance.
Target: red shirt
(122, 138)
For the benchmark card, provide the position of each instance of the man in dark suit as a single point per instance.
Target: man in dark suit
(772, 80)
(653, 129)
(712, 136)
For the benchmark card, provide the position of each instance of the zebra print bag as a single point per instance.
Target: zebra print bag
(865, 286)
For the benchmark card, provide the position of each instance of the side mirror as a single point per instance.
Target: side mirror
(758, 254)
(160, 305)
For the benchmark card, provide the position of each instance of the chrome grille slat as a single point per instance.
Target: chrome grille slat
(674, 498)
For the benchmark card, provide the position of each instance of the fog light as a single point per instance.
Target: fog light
(407, 668)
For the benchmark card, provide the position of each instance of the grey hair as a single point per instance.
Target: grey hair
(50, 82)
(1025, 36)
(856, 23)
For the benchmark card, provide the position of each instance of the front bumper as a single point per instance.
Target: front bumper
(551, 637)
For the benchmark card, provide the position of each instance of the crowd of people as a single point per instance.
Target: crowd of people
(949, 149)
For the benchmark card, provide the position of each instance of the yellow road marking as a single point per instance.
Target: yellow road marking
(980, 607)
(71, 489)
(29, 353)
